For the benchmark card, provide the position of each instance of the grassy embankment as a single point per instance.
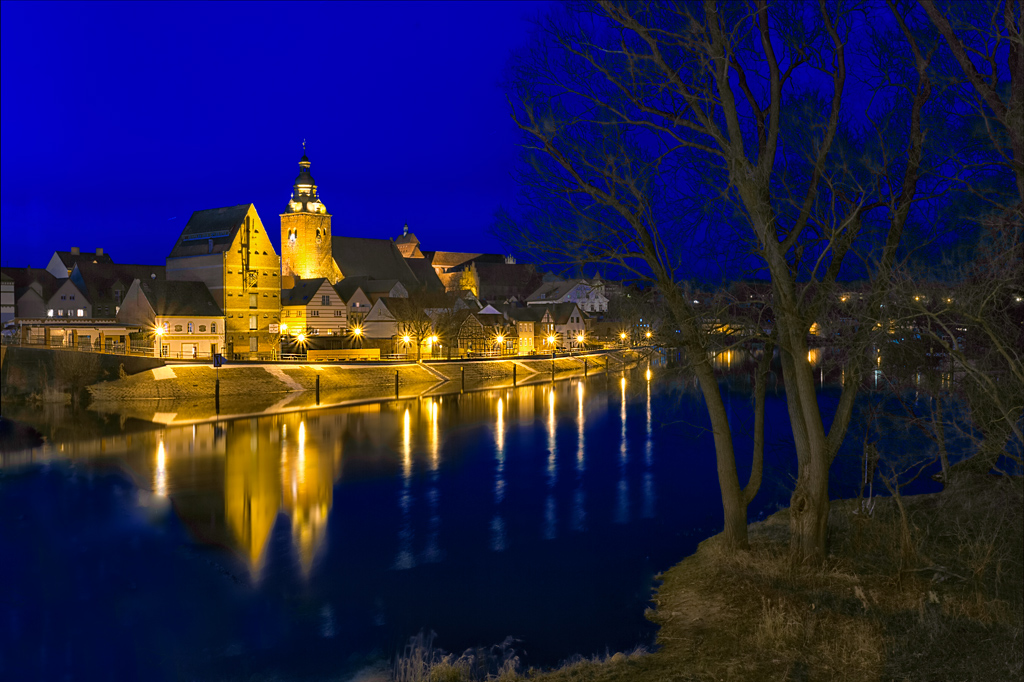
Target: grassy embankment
(932, 595)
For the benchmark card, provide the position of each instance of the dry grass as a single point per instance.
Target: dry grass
(944, 602)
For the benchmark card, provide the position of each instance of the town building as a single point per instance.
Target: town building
(228, 249)
(589, 295)
(63, 262)
(6, 298)
(313, 308)
(565, 322)
(178, 319)
(33, 289)
(105, 284)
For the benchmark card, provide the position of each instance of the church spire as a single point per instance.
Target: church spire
(304, 194)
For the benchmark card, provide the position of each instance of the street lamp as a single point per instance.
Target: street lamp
(284, 328)
(648, 334)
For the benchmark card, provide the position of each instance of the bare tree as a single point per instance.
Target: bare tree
(657, 130)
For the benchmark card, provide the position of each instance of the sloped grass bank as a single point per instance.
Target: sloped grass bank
(935, 594)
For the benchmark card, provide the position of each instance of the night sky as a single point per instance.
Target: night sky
(119, 120)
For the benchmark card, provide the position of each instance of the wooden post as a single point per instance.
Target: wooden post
(396, 383)
(216, 393)
(513, 374)
(317, 389)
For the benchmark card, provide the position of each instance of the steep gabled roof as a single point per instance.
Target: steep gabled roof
(560, 312)
(70, 259)
(217, 224)
(25, 277)
(497, 278)
(372, 258)
(425, 273)
(445, 260)
(180, 299)
(96, 280)
(303, 291)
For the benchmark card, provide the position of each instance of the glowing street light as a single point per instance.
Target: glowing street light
(300, 337)
(648, 335)
(579, 339)
(551, 340)
(357, 331)
(158, 330)
(406, 339)
(284, 328)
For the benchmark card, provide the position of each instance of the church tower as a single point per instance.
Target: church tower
(306, 231)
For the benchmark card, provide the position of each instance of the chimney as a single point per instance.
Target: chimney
(74, 251)
(99, 252)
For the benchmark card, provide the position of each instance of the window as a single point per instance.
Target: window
(117, 295)
(252, 344)
(191, 328)
(314, 313)
(202, 328)
(63, 297)
(252, 322)
(253, 300)
(72, 297)
(325, 299)
(213, 327)
(339, 313)
(49, 313)
(165, 350)
(81, 313)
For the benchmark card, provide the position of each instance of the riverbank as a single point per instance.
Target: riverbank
(935, 594)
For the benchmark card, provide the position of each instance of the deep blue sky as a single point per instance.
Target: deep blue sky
(119, 120)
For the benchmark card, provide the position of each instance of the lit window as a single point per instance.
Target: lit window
(252, 322)
(81, 313)
(191, 328)
(253, 300)
(49, 313)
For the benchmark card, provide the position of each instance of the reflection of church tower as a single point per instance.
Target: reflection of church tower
(306, 231)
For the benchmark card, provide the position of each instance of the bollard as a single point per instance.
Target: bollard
(396, 384)
(317, 389)
(513, 374)
(584, 367)
(216, 395)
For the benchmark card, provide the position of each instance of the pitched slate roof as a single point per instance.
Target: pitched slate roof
(560, 312)
(372, 258)
(24, 277)
(180, 299)
(96, 280)
(502, 280)
(425, 273)
(219, 224)
(4, 277)
(71, 259)
(452, 259)
(303, 291)
(348, 286)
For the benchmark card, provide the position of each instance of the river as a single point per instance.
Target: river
(314, 543)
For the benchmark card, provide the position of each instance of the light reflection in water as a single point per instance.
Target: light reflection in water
(497, 522)
(404, 559)
(432, 552)
(579, 514)
(648, 509)
(622, 500)
(160, 473)
(550, 522)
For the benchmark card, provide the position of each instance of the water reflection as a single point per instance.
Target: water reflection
(404, 559)
(550, 530)
(648, 508)
(579, 514)
(497, 522)
(622, 495)
(432, 552)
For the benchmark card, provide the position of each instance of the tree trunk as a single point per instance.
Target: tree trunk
(808, 513)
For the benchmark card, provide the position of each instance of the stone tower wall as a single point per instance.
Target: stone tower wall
(308, 256)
